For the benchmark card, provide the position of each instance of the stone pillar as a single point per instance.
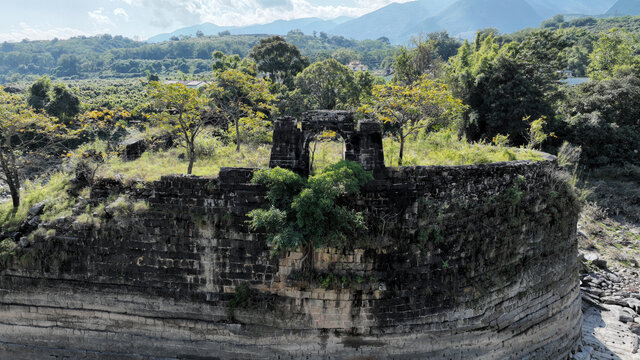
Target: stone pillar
(371, 155)
(287, 144)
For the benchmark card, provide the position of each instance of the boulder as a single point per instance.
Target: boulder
(37, 209)
(133, 149)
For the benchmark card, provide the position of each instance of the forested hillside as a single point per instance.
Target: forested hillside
(118, 57)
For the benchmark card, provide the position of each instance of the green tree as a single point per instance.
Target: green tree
(28, 138)
(151, 76)
(64, 104)
(504, 84)
(278, 58)
(444, 46)
(327, 85)
(553, 23)
(614, 51)
(364, 84)
(243, 100)
(425, 56)
(425, 105)
(222, 62)
(39, 93)
(181, 112)
(616, 100)
(345, 56)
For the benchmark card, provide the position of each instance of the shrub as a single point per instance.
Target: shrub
(86, 220)
(140, 207)
(309, 215)
(241, 299)
(121, 207)
(7, 246)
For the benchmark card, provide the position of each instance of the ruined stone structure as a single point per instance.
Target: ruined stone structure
(464, 262)
(363, 143)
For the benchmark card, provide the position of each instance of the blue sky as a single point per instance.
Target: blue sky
(46, 19)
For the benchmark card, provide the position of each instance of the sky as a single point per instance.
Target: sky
(141, 19)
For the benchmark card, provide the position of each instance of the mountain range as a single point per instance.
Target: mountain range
(461, 18)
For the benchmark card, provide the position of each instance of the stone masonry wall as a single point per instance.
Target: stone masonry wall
(468, 262)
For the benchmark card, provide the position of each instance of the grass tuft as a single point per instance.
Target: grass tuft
(52, 191)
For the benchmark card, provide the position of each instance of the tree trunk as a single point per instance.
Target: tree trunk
(237, 121)
(313, 156)
(11, 176)
(192, 157)
(15, 195)
(308, 258)
(401, 152)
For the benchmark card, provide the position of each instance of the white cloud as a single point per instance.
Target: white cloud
(166, 13)
(121, 13)
(99, 17)
(26, 31)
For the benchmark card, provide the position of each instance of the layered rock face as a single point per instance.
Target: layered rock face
(468, 262)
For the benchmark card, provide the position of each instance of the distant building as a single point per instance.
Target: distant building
(569, 78)
(566, 73)
(357, 66)
(575, 80)
(193, 84)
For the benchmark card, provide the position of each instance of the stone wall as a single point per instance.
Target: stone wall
(468, 262)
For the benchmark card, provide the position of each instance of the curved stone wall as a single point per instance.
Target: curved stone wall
(467, 262)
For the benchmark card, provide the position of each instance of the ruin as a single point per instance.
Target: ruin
(459, 262)
(363, 142)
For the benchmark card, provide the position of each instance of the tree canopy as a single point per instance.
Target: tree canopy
(28, 138)
(278, 58)
(425, 105)
(327, 85)
(245, 102)
(181, 112)
(503, 84)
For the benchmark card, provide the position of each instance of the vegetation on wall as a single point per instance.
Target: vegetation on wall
(308, 214)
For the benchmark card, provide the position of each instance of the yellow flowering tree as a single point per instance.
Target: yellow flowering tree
(426, 104)
(27, 138)
(181, 110)
(105, 124)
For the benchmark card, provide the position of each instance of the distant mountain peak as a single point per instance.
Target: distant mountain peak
(625, 7)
